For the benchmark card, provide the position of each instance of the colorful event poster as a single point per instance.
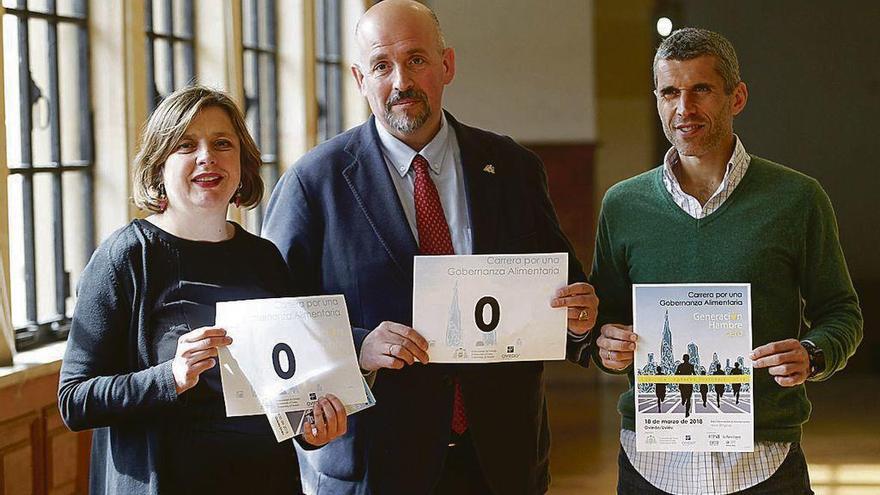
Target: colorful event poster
(693, 376)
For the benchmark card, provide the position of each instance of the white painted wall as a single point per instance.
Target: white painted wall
(524, 67)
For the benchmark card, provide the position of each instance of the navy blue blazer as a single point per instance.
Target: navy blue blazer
(338, 222)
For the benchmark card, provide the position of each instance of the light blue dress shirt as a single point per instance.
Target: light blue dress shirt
(444, 159)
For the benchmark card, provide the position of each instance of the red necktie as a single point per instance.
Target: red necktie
(434, 238)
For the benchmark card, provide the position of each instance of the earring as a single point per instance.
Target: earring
(162, 203)
(236, 199)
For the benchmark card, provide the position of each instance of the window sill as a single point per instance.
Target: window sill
(34, 363)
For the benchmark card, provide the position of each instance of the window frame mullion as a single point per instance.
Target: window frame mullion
(27, 181)
(86, 129)
(61, 278)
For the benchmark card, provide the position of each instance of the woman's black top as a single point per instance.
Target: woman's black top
(142, 289)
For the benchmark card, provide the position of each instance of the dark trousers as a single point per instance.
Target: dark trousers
(791, 478)
(462, 474)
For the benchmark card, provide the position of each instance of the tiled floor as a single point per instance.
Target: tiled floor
(841, 441)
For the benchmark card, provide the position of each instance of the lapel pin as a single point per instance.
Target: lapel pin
(489, 168)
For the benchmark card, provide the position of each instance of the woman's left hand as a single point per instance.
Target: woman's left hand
(330, 421)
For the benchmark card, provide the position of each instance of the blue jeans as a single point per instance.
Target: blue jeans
(791, 478)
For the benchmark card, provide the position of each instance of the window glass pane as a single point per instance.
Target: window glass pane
(16, 251)
(11, 89)
(73, 8)
(269, 116)
(320, 29)
(332, 27)
(161, 62)
(69, 67)
(37, 5)
(44, 241)
(269, 173)
(267, 24)
(41, 110)
(161, 18)
(248, 31)
(182, 55)
(183, 18)
(76, 254)
(250, 83)
(327, 57)
(334, 102)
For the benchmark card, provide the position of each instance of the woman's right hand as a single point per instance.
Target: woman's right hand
(196, 353)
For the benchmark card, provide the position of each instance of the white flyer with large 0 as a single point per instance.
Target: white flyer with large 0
(693, 376)
(490, 308)
(286, 353)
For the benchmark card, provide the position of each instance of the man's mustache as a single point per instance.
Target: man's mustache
(409, 94)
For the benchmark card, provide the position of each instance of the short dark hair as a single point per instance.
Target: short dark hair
(164, 129)
(690, 43)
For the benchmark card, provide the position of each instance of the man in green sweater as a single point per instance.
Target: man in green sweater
(712, 213)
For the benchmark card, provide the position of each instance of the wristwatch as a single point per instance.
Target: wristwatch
(817, 358)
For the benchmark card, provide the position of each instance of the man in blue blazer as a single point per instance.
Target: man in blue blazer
(350, 216)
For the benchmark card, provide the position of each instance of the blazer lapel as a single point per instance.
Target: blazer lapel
(482, 179)
(369, 180)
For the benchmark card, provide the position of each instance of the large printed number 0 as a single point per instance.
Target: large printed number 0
(478, 313)
(276, 360)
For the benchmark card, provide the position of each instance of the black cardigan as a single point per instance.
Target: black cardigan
(142, 289)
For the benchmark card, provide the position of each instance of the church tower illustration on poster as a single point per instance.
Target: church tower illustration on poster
(667, 358)
(453, 324)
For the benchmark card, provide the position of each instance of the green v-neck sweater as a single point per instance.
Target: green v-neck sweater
(777, 231)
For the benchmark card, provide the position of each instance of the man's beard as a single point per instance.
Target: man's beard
(404, 123)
